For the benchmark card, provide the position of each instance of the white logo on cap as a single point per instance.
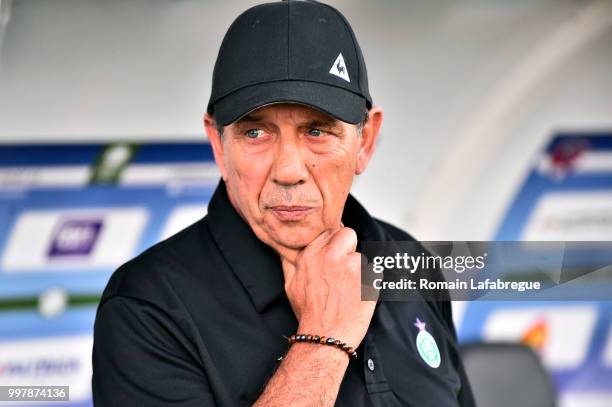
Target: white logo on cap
(339, 68)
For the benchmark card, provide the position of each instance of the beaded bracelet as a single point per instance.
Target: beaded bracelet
(323, 340)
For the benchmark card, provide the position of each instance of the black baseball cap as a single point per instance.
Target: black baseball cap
(290, 51)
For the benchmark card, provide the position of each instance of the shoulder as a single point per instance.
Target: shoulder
(148, 276)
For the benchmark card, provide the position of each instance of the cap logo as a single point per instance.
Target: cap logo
(339, 68)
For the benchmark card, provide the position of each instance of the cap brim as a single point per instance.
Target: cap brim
(337, 102)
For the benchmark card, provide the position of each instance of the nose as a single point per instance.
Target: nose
(289, 167)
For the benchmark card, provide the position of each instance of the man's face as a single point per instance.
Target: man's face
(288, 170)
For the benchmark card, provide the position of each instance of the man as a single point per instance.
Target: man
(202, 318)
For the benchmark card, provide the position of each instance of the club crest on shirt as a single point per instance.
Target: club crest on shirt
(427, 346)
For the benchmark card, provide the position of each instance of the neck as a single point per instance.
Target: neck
(286, 254)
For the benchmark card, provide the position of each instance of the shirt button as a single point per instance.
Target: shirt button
(371, 365)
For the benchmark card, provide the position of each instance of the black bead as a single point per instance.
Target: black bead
(354, 355)
(345, 347)
(316, 338)
(330, 341)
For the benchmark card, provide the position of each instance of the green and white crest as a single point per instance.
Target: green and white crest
(427, 346)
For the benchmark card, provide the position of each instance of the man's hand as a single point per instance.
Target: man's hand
(324, 288)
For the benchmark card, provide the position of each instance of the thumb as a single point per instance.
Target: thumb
(320, 241)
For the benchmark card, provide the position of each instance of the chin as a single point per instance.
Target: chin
(295, 238)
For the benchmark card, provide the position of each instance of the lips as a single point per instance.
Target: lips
(291, 213)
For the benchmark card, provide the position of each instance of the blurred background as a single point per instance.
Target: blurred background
(498, 126)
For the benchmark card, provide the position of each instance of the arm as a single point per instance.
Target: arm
(310, 375)
(324, 288)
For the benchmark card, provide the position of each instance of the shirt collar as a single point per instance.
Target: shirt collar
(258, 266)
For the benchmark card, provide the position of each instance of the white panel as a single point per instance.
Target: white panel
(74, 239)
(567, 216)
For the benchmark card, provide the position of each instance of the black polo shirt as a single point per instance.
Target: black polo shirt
(199, 320)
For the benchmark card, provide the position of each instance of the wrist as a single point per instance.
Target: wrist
(314, 352)
(322, 340)
(343, 335)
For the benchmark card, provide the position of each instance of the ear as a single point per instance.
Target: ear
(216, 142)
(369, 135)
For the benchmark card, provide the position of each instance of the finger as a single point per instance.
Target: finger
(345, 240)
(288, 270)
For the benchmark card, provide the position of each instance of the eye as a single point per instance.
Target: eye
(253, 133)
(315, 132)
